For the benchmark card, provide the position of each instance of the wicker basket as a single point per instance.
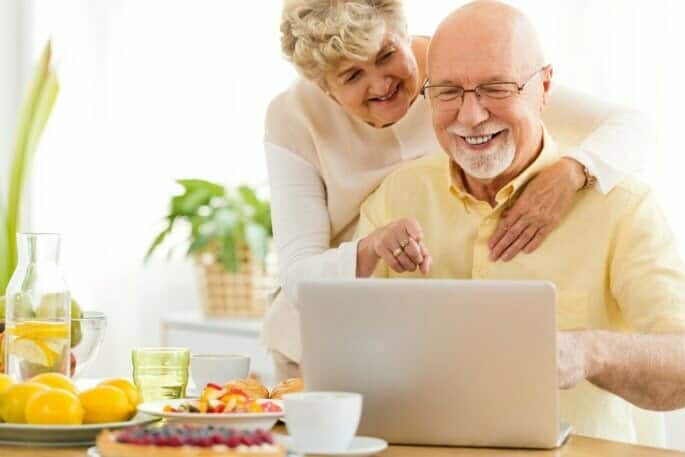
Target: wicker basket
(240, 294)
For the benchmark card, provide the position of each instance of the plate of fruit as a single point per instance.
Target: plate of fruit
(240, 404)
(48, 410)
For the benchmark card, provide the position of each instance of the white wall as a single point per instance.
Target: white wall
(10, 62)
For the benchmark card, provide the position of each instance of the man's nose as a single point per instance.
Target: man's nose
(471, 112)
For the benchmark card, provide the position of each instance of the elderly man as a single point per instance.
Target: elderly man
(621, 285)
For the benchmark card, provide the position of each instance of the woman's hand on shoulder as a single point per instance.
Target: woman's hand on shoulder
(399, 244)
(537, 211)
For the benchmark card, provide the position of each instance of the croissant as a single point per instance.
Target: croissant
(250, 386)
(288, 386)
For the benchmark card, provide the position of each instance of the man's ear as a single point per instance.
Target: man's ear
(546, 75)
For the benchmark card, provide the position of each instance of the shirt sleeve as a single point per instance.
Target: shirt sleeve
(647, 275)
(301, 224)
(371, 217)
(610, 140)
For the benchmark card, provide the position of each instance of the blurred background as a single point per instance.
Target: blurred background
(154, 90)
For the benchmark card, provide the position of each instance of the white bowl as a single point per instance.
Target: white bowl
(217, 368)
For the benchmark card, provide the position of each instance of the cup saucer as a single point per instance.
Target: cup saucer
(361, 446)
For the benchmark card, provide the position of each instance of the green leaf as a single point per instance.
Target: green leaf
(226, 220)
(189, 203)
(263, 218)
(249, 196)
(157, 241)
(228, 253)
(35, 111)
(190, 185)
(5, 272)
(257, 239)
(200, 242)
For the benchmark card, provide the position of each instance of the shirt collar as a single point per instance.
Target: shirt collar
(546, 157)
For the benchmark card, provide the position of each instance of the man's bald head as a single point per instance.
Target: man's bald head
(489, 30)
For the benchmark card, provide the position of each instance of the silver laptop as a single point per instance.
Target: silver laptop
(439, 362)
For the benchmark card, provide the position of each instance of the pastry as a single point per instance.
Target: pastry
(172, 440)
(288, 386)
(250, 386)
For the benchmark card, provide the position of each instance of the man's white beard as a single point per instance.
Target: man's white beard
(486, 164)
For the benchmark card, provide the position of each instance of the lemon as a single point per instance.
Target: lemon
(39, 330)
(105, 404)
(33, 351)
(15, 399)
(54, 406)
(56, 380)
(127, 386)
(5, 382)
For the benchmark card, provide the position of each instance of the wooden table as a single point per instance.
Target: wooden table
(577, 446)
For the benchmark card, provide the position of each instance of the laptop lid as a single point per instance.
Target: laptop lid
(439, 362)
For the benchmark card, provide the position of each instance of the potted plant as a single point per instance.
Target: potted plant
(229, 234)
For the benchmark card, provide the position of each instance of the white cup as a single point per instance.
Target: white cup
(218, 368)
(322, 422)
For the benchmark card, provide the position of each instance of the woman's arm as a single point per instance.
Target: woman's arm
(301, 223)
(610, 140)
(595, 138)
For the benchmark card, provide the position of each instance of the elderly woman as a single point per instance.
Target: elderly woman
(356, 115)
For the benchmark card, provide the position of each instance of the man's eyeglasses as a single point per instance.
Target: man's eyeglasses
(447, 97)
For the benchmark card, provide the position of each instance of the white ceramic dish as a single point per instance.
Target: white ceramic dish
(362, 446)
(205, 368)
(62, 435)
(243, 421)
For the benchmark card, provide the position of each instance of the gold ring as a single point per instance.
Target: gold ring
(404, 244)
(397, 252)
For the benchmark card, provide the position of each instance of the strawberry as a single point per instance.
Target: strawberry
(271, 407)
(235, 391)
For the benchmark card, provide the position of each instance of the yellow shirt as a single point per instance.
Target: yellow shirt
(613, 259)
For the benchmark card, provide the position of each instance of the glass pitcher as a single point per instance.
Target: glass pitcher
(37, 319)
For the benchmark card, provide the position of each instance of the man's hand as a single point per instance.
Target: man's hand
(537, 211)
(574, 357)
(399, 244)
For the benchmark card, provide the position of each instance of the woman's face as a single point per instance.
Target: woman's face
(378, 91)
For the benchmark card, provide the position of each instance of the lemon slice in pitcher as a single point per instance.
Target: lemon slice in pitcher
(33, 351)
(40, 330)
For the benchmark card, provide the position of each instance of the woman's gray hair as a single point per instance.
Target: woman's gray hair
(316, 35)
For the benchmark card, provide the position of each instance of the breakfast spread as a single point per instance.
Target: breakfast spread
(172, 440)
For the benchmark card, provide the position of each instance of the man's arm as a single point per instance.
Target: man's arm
(646, 370)
(647, 280)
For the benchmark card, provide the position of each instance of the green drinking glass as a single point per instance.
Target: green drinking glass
(161, 373)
